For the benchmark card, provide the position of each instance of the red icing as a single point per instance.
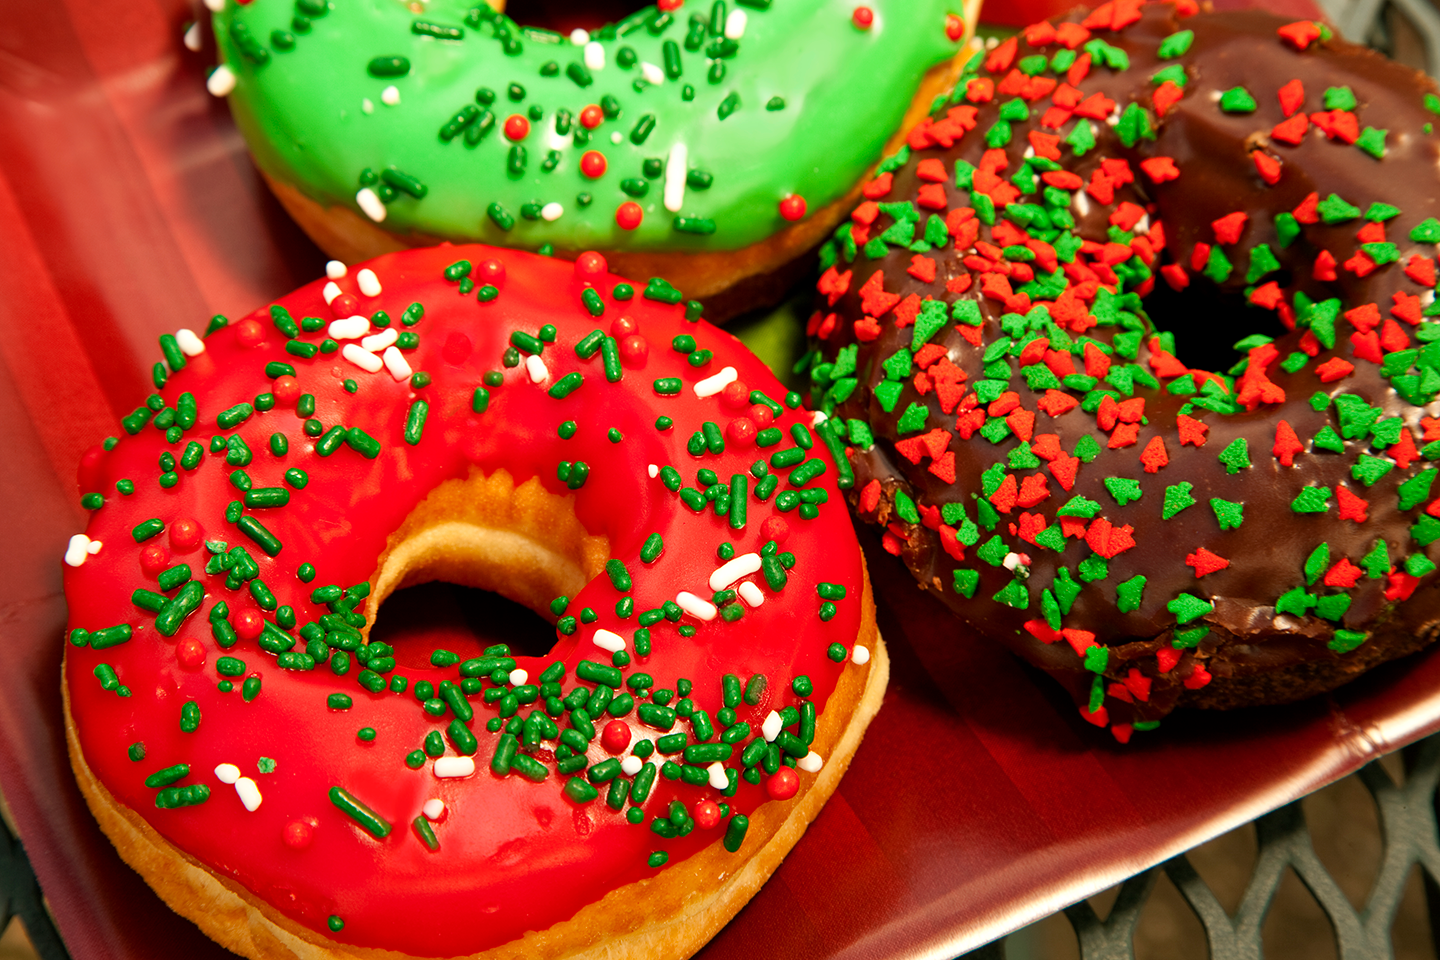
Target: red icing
(501, 840)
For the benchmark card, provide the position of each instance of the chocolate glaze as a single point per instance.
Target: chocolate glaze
(1253, 655)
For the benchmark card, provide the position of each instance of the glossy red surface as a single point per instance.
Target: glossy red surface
(500, 839)
(128, 209)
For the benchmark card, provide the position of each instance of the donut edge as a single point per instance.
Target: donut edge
(233, 917)
(730, 281)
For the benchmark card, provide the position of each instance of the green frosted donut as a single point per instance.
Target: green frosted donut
(702, 120)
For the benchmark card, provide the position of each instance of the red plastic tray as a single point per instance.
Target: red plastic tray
(979, 801)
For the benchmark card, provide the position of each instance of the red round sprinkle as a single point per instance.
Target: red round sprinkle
(669, 6)
(298, 834)
(592, 164)
(516, 127)
(616, 736)
(735, 397)
(634, 350)
(792, 208)
(954, 27)
(249, 333)
(247, 624)
(345, 305)
(623, 327)
(590, 265)
(492, 272)
(629, 215)
(762, 415)
(153, 559)
(591, 117)
(457, 348)
(190, 653)
(185, 535)
(783, 785)
(286, 389)
(863, 17)
(775, 528)
(740, 432)
(706, 813)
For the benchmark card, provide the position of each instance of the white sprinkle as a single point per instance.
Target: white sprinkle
(536, 368)
(594, 56)
(818, 418)
(735, 24)
(675, 169)
(192, 38)
(860, 655)
(190, 344)
(631, 765)
(367, 105)
(606, 640)
(617, 137)
(718, 780)
(551, 211)
(518, 676)
(751, 594)
(93, 547)
(331, 291)
(379, 341)
(811, 762)
(1081, 204)
(713, 385)
(1013, 560)
(227, 773)
(349, 328)
(335, 269)
(369, 283)
(1142, 226)
(390, 95)
(448, 767)
(652, 73)
(363, 359)
(78, 550)
(727, 573)
(434, 809)
(396, 363)
(579, 37)
(771, 726)
(558, 140)
(654, 471)
(249, 793)
(370, 204)
(221, 82)
(215, 6)
(695, 606)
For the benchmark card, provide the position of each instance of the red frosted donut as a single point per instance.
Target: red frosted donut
(502, 420)
(1068, 480)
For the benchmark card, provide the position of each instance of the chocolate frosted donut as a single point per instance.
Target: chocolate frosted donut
(1049, 465)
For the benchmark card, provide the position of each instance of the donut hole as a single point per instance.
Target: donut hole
(464, 620)
(521, 543)
(564, 16)
(1218, 320)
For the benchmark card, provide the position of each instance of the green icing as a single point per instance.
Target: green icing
(303, 109)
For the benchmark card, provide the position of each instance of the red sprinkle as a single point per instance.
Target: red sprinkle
(492, 272)
(591, 117)
(629, 215)
(247, 624)
(593, 164)
(1292, 97)
(777, 529)
(1204, 562)
(517, 127)
(706, 813)
(190, 653)
(783, 785)
(616, 736)
(792, 208)
(1299, 34)
(345, 305)
(634, 350)
(185, 535)
(863, 17)
(298, 834)
(153, 559)
(590, 266)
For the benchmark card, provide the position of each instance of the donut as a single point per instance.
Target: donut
(379, 127)
(1048, 463)
(535, 427)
